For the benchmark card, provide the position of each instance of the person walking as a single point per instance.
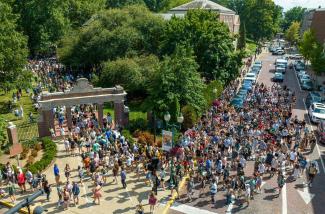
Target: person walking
(47, 189)
(123, 177)
(56, 174)
(281, 182)
(190, 187)
(97, 194)
(152, 201)
(67, 171)
(312, 171)
(75, 192)
(213, 190)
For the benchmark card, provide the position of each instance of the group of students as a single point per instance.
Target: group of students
(264, 132)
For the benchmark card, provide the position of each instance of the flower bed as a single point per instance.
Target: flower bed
(48, 155)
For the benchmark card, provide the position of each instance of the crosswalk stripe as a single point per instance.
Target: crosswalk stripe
(186, 209)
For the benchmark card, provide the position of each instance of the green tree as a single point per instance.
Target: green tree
(177, 77)
(131, 73)
(156, 5)
(261, 19)
(112, 34)
(13, 48)
(82, 10)
(318, 59)
(295, 14)
(242, 37)
(292, 34)
(308, 44)
(210, 39)
(44, 22)
(122, 3)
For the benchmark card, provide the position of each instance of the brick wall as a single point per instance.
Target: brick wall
(318, 24)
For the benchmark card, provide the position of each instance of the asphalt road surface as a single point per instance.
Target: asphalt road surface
(296, 198)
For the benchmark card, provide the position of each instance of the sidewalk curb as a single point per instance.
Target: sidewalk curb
(10, 205)
(171, 201)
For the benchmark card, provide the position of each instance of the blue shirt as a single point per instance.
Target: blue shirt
(56, 171)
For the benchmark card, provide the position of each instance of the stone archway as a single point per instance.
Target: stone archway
(81, 93)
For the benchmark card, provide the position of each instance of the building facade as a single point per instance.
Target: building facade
(226, 15)
(315, 19)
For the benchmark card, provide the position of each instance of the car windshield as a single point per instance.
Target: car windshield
(319, 110)
(307, 83)
(250, 75)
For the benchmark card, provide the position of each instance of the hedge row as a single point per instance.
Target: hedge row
(49, 152)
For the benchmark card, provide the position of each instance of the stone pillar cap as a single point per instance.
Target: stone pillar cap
(11, 125)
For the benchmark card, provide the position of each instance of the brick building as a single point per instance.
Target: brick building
(315, 19)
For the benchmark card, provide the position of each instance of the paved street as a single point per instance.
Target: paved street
(295, 197)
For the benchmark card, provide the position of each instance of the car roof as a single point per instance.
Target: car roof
(319, 105)
(314, 94)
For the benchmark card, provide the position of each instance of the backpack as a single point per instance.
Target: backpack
(312, 170)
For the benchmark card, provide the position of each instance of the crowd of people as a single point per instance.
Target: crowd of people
(214, 153)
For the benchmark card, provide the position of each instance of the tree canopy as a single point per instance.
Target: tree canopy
(13, 48)
(112, 34)
(295, 14)
(211, 41)
(177, 77)
(292, 34)
(262, 17)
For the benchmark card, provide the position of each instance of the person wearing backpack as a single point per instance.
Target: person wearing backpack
(75, 192)
(312, 171)
(281, 182)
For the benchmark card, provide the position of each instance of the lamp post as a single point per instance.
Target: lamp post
(215, 91)
(173, 126)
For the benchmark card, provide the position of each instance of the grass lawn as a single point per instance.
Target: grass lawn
(251, 47)
(26, 130)
(135, 110)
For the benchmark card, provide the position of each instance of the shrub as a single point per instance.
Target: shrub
(24, 153)
(146, 138)
(126, 133)
(31, 143)
(209, 93)
(38, 147)
(139, 123)
(30, 160)
(34, 153)
(190, 117)
(48, 156)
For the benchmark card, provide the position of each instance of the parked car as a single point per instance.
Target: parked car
(316, 112)
(307, 85)
(281, 62)
(280, 69)
(247, 86)
(278, 52)
(321, 131)
(313, 97)
(296, 57)
(237, 102)
(278, 77)
(299, 65)
(251, 77)
(304, 77)
(242, 92)
(301, 73)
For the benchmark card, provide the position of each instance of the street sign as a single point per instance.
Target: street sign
(167, 140)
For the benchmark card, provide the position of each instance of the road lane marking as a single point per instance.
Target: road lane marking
(312, 129)
(284, 199)
(305, 194)
(295, 74)
(189, 209)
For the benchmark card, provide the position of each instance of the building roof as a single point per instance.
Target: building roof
(202, 4)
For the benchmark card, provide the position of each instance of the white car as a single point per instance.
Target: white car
(251, 76)
(317, 112)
